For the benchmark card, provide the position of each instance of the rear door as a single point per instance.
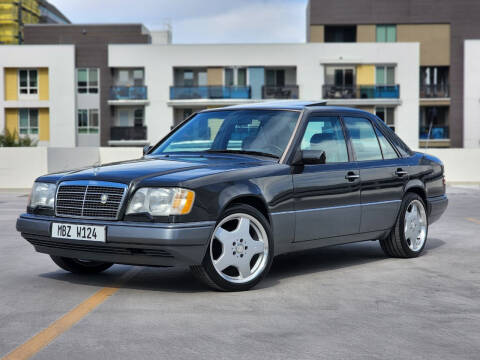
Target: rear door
(327, 196)
(383, 174)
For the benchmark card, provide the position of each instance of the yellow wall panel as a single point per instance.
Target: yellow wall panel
(11, 120)
(43, 124)
(366, 75)
(366, 33)
(434, 41)
(215, 76)
(317, 33)
(43, 84)
(11, 84)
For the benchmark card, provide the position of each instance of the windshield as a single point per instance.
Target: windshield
(262, 132)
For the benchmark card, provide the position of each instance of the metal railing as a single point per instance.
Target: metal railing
(210, 92)
(434, 132)
(280, 92)
(361, 92)
(128, 93)
(434, 91)
(128, 133)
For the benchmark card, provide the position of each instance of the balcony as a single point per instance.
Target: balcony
(128, 95)
(434, 91)
(434, 133)
(361, 92)
(280, 92)
(128, 133)
(209, 92)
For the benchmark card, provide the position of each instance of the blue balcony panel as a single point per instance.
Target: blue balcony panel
(128, 93)
(209, 92)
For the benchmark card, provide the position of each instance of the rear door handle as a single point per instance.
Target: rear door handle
(400, 172)
(351, 176)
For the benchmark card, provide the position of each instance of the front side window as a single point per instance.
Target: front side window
(28, 121)
(240, 131)
(324, 133)
(28, 82)
(87, 81)
(364, 140)
(88, 121)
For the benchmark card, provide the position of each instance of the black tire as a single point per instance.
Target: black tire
(395, 244)
(206, 272)
(77, 266)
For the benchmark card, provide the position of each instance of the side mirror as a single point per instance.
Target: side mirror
(146, 149)
(309, 157)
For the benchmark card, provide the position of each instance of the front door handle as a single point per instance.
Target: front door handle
(351, 176)
(400, 172)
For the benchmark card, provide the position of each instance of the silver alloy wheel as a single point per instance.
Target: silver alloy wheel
(247, 241)
(415, 225)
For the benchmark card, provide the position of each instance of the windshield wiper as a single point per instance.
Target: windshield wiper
(247, 152)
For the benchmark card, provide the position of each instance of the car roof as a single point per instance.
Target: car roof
(291, 105)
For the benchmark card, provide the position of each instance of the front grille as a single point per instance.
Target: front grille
(82, 199)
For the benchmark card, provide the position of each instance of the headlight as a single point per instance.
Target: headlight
(43, 194)
(161, 201)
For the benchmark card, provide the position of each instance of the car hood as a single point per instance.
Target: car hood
(157, 167)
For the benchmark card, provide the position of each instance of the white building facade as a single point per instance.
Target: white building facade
(471, 93)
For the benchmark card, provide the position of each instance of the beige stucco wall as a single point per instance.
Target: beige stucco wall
(317, 33)
(434, 41)
(366, 33)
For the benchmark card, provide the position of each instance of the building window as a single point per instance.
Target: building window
(386, 33)
(387, 114)
(88, 121)
(28, 82)
(235, 76)
(340, 33)
(28, 121)
(275, 77)
(385, 75)
(138, 117)
(434, 124)
(188, 78)
(87, 81)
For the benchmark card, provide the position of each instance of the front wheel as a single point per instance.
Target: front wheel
(409, 236)
(240, 251)
(78, 266)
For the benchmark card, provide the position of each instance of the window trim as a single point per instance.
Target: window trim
(28, 87)
(87, 87)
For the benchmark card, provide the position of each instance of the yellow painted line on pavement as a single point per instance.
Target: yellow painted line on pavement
(476, 221)
(47, 335)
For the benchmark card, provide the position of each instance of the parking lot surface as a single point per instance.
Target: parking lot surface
(343, 302)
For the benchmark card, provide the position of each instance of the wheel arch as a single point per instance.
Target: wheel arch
(253, 200)
(417, 187)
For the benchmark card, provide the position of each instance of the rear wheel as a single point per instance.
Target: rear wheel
(240, 251)
(409, 236)
(78, 266)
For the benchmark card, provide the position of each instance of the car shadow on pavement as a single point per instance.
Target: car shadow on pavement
(180, 279)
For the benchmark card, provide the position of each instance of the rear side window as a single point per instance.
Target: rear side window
(325, 133)
(364, 140)
(387, 149)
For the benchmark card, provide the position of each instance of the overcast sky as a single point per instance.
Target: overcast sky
(197, 21)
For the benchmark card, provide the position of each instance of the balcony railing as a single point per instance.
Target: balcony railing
(434, 91)
(128, 133)
(209, 92)
(361, 92)
(280, 92)
(128, 93)
(434, 133)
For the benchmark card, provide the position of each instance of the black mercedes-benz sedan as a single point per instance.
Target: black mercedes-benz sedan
(228, 189)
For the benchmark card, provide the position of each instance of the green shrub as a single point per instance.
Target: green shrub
(13, 140)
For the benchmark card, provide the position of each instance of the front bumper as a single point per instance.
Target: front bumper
(133, 243)
(436, 207)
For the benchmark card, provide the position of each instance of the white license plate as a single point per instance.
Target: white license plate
(78, 232)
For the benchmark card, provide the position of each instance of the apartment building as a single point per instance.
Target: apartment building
(37, 95)
(14, 14)
(182, 79)
(101, 94)
(440, 26)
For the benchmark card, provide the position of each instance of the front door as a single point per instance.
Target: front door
(327, 196)
(383, 174)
